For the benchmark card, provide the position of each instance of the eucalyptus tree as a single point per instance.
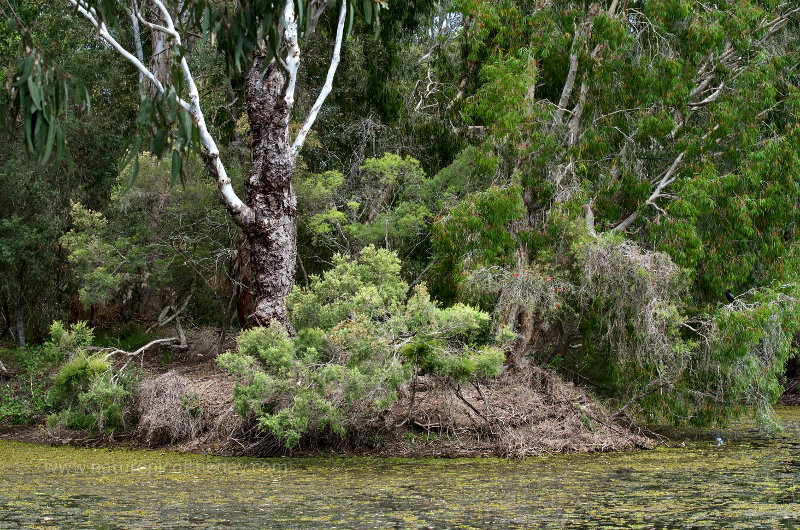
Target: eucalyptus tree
(263, 41)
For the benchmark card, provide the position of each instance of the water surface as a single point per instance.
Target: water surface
(752, 480)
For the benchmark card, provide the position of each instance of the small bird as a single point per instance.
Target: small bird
(720, 441)
(729, 296)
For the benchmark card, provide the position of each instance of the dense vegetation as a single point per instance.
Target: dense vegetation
(491, 187)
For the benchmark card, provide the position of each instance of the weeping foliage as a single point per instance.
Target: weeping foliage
(670, 131)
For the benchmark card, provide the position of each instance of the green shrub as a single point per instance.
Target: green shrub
(25, 400)
(87, 394)
(358, 340)
(65, 343)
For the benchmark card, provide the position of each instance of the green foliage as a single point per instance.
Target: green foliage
(476, 232)
(23, 400)
(371, 285)
(86, 395)
(749, 345)
(388, 204)
(27, 399)
(154, 236)
(85, 392)
(65, 343)
(358, 340)
(34, 210)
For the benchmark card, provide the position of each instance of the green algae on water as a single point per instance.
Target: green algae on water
(750, 480)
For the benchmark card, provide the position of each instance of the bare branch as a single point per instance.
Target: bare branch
(327, 87)
(570, 82)
(667, 179)
(293, 53)
(106, 36)
(137, 42)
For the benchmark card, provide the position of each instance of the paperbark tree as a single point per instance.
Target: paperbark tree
(262, 40)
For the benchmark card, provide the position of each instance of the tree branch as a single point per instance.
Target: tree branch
(326, 89)
(106, 36)
(137, 42)
(240, 212)
(292, 55)
(667, 179)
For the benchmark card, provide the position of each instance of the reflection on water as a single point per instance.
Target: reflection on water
(752, 480)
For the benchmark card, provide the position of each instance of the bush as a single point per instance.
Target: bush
(357, 341)
(66, 343)
(86, 393)
(25, 400)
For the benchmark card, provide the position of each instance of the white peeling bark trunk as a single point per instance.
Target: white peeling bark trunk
(20, 325)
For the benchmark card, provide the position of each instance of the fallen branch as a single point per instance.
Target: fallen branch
(110, 352)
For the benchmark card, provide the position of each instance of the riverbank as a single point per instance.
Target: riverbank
(186, 405)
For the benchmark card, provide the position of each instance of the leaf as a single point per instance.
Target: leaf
(134, 174)
(368, 11)
(35, 93)
(350, 21)
(176, 166)
(61, 144)
(205, 20)
(273, 40)
(133, 151)
(29, 131)
(27, 68)
(48, 147)
(299, 7)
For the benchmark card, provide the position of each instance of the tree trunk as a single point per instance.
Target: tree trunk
(160, 63)
(20, 324)
(6, 317)
(271, 235)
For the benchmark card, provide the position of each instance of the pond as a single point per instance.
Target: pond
(751, 480)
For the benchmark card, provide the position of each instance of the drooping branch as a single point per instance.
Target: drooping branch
(326, 89)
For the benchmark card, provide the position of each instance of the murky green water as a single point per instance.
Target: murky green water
(750, 481)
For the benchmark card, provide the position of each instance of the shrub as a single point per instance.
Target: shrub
(86, 393)
(26, 399)
(358, 340)
(65, 343)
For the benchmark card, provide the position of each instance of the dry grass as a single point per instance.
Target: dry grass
(192, 410)
(521, 413)
(517, 414)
